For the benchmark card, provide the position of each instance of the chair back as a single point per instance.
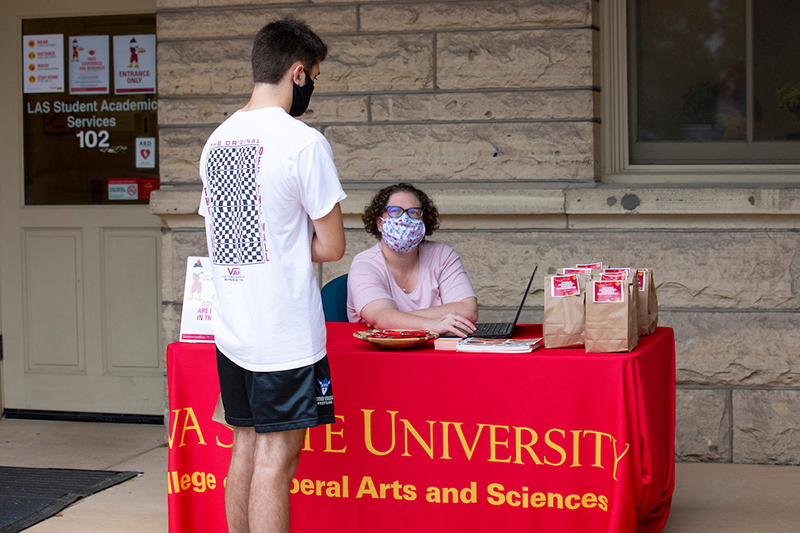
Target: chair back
(334, 299)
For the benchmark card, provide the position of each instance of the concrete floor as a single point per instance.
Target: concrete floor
(135, 506)
(709, 498)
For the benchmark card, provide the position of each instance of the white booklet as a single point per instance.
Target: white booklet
(476, 344)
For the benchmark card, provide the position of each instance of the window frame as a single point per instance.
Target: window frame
(615, 113)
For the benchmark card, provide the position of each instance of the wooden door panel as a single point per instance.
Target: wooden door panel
(53, 297)
(131, 301)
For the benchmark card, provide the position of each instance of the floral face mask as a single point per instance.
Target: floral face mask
(403, 234)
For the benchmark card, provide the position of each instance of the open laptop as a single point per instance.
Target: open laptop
(499, 330)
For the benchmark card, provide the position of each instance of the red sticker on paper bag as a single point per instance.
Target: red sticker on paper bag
(608, 277)
(590, 265)
(607, 291)
(641, 280)
(561, 286)
(617, 271)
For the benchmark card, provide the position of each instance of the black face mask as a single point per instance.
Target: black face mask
(301, 96)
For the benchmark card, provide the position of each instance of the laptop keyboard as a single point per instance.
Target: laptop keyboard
(496, 328)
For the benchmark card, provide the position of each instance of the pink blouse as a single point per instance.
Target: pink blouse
(442, 280)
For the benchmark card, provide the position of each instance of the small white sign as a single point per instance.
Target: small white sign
(88, 64)
(135, 64)
(43, 63)
(123, 189)
(198, 301)
(145, 152)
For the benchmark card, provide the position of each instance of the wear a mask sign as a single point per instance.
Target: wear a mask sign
(90, 138)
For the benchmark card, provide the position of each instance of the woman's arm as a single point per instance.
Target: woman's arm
(383, 314)
(468, 308)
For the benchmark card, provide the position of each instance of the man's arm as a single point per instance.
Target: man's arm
(328, 243)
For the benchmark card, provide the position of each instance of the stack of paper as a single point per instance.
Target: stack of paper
(475, 344)
(446, 343)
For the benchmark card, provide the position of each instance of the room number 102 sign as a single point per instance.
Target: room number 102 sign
(92, 139)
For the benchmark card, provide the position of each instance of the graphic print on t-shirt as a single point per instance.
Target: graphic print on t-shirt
(235, 211)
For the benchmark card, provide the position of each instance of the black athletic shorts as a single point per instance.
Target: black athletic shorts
(276, 401)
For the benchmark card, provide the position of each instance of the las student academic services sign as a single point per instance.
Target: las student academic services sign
(428, 441)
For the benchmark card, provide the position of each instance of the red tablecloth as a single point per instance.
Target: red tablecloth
(556, 440)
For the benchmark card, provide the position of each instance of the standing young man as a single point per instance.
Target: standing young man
(271, 205)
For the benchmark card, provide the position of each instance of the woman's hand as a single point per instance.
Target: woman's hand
(383, 314)
(452, 323)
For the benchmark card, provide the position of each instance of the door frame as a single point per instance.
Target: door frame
(12, 205)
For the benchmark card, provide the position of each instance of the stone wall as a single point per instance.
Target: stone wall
(491, 106)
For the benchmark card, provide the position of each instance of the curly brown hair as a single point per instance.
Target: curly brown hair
(376, 208)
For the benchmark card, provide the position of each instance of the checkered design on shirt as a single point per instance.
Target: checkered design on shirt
(235, 212)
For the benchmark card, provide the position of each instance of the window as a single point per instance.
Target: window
(90, 138)
(713, 82)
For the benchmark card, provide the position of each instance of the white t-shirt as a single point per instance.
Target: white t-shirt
(266, 176)
(442, 280)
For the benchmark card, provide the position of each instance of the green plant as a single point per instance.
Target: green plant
(788, 98)
(700, 104)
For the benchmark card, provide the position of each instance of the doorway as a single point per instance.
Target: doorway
(79, 251)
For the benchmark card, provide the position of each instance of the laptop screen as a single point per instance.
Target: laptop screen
(516, 318)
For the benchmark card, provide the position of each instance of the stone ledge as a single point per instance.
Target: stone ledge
(682, 200)
(505, 199)
(483, 202)
(169, 201)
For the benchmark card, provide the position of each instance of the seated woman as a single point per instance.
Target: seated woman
(405, 281)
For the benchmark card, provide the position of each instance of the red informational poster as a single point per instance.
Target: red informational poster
(608, 291)
(564, 286)
(146, 186)
(587, 271)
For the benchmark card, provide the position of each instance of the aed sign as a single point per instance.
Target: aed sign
(145, 152)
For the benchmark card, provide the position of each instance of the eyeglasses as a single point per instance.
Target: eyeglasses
(414, 212)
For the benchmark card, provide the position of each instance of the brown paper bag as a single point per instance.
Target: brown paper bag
(648, 303)
(219, 413)
(612, 314)
(564, 310)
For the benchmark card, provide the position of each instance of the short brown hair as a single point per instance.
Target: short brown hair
(282, 42)
(376, 207)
